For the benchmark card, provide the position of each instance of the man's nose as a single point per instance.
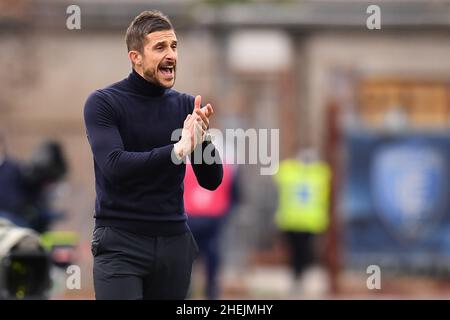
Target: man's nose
(171, 55)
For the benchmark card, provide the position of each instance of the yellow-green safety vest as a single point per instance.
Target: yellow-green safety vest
(304, 190)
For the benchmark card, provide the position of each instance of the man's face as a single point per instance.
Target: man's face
(159, 58)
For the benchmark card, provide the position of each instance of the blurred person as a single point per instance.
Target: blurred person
(44, 172)
(208, 211)
(303, 188)
(25, 187)
(13, 191)
(142, 246)
(25, 214)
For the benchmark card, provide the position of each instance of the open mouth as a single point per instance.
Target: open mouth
(167, 71)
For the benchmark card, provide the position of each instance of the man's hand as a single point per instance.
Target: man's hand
(191, 136)
(194, 128)
(204, 113)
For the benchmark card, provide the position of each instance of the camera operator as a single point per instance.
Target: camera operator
(24, 187)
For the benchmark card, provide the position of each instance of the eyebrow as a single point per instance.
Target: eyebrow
(163, 42)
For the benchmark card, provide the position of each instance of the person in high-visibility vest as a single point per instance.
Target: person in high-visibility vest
(303, 190)
(207, 211)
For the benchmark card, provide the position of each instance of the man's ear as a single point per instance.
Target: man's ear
(135, 57)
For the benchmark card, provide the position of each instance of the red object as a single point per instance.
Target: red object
(199, 201)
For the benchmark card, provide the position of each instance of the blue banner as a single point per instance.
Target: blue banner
(396, 207)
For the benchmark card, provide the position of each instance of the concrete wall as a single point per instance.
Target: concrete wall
(328, 54)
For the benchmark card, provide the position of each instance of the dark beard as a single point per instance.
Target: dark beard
(151, 76)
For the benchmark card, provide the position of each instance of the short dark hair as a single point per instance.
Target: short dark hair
(146, 22)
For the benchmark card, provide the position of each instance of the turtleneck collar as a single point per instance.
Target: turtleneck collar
(143, 86)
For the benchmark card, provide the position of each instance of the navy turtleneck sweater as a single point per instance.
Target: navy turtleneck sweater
(129, 126)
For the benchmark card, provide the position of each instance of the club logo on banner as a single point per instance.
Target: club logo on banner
(409, 188)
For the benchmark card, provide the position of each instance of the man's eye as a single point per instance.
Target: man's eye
(174, 46)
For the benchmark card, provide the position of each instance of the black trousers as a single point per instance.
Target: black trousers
(301, 247)
(129, 266)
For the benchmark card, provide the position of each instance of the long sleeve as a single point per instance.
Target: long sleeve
(114, 162)
(209, 176)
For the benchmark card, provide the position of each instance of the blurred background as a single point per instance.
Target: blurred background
(364, 119)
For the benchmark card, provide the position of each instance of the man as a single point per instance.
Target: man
(304, 184)
(24, 186)
(13, 193)
(141, 244)
(208, 212)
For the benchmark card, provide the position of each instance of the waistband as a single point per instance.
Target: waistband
(148, 228)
